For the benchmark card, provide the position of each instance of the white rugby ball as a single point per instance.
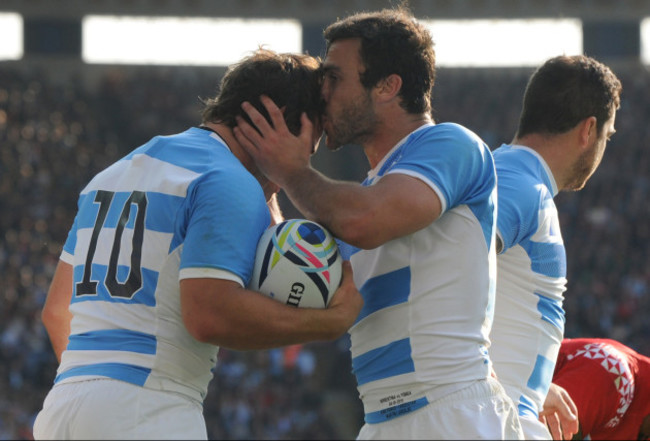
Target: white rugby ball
(298, 263)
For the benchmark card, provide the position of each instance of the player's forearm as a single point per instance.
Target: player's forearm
(245, 320)
(339, 206)
(308, 328)
(265, 323)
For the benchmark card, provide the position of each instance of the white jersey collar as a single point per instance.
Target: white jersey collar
(373, 173)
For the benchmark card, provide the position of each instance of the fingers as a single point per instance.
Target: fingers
(277, 118)
(347, 273)
(241, 134)
(568, 414)
(347, 281)
(560, 413)
(246, 136)
(258, 119)
(275, 114)
(270, 132)
(347, 298)
(253, 136)
(571, 405)
(570, 425)
(554, 425)
(306, 127)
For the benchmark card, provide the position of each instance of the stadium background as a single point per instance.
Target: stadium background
(61, 121)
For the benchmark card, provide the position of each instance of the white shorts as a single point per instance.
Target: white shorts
(480, 411)
(534, 428)
(112, 409)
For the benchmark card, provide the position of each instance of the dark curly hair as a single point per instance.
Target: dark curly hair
(392, 42)
(564, 91)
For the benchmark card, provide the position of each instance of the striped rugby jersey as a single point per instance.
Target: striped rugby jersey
(180, 206)
(423, 330)
(529, 318)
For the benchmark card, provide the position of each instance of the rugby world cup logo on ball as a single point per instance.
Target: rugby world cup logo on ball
(297, 263)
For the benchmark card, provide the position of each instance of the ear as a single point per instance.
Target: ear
(587, 128)
(389, 87)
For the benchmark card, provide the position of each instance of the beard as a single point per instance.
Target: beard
(354, 124)
(584, 167)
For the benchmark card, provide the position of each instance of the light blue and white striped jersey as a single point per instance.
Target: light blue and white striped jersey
(529, 319)
(180, 206)
(423, 330)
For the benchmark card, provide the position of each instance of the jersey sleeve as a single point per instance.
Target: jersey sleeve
(227, 214)
(453, 161)
(518, 205)
(67, 254)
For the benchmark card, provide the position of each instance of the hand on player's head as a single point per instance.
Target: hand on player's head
(276, 151)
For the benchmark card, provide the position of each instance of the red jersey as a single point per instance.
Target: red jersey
(609, 383)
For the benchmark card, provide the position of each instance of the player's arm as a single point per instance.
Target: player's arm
(56, 314)
(223, 313)
(365, 217)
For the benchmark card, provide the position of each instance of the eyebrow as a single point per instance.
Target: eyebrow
(325, 68)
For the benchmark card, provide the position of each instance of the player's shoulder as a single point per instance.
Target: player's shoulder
(449, 140)
(521, 160)
(194, 149)
(511, 156)
(520, 168)
(453, 133)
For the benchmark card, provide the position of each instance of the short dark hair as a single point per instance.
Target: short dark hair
(564, 91)
(292, 81)
(392, 42)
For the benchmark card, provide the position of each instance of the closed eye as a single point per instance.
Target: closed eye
(331, 77)
(330, 73)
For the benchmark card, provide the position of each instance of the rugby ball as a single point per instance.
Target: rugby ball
(297, 263)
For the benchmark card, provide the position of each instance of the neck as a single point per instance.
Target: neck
(389, 132)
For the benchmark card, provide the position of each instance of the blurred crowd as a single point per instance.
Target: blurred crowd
(55, 135)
